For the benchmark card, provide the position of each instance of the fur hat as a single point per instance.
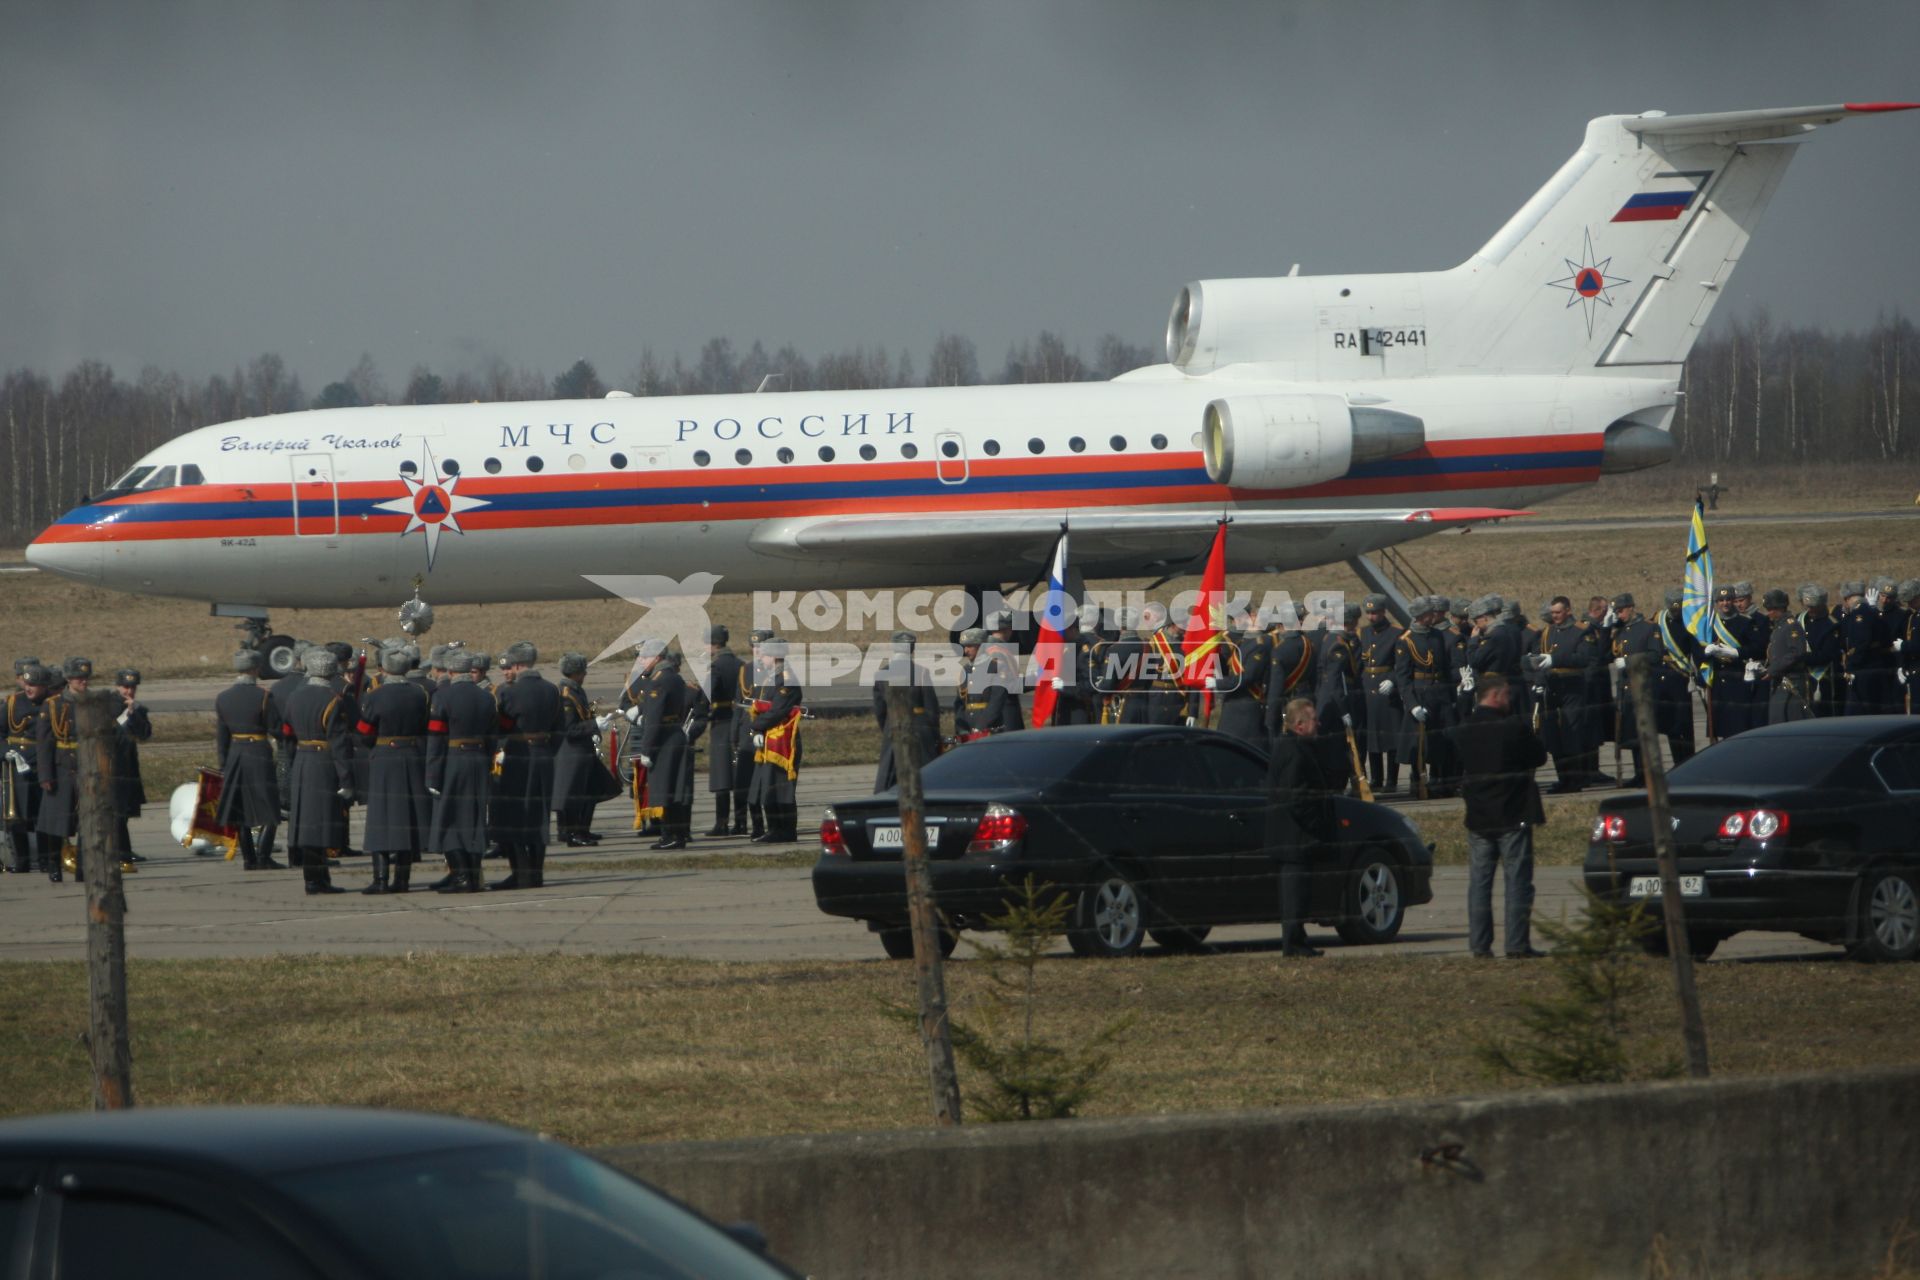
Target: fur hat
(249, 662)
(394, 662)
(319, 663)
(520, 653)
(573, 665)
(77, 668)
(459, 662)
(1812, 594)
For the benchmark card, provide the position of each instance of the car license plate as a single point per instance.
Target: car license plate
(890, 837)
(1649, 887)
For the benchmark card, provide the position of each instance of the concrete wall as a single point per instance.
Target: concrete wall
(1788, 1176)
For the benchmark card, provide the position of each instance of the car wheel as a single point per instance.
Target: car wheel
(1374, 906)
(1700, 946)
(1180, 938)
(898, 943)
(1109, 918)
(1888, 922)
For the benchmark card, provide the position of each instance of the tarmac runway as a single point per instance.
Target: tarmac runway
(180, 905)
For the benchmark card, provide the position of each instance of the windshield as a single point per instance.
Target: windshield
(132, 479)
(513, 1211)
(1793, 761)
(1026, 762)
(160, 479)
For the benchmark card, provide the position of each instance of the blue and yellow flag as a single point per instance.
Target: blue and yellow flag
(1696, 605)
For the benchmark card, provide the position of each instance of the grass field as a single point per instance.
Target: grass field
(634, 1049)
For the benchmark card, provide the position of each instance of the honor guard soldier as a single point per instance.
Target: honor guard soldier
(978, 698)
(666, 724)
(744, 751)
(1789, 683)
(56, 746)
(926, 708)
(1823, 650)
(1629, 635)
(1075, 700)
(1342, 703)
(1743, 602)
(1732, 661)
(577, 770)
(1906, 642)
(1601, 619)
(1425, 681)
(724, 670)
(1866, 654)
(415, 674)
(246, 725)
(22, 798)
(1681, 656)
(1290, 666)
(1377, 637)
(284, 688)
(1243, 701)
(320, 725)
(132, 726)
(530, 716)
(461, 732)
(482, 664)
(775, 725)
(1002, 657)
(1123, 674)
(1166, 697)
(393, 731)
(1559, 667)
(1492, 646)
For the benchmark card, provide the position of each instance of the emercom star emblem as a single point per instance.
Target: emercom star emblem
(431, 505)
(1587, 283)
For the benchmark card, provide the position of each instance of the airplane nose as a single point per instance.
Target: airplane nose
(77, 560)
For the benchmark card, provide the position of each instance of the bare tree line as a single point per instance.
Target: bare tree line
(1754, 391)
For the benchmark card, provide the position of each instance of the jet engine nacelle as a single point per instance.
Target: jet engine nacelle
(1216, 323)
(1291, 441)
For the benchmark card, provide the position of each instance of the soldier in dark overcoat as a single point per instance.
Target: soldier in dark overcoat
(723, 700)
(246, 726)
(1243, 713)
(1382, 746)
(666, 723)
(926, 708)
(462, 729)
(393, 734)
(530, 717)
(22, 708)
(577, 770)
(56, 746)
(775, 783)
(319, 722)
(131, 727)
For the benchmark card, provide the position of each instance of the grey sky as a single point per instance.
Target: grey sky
(191, 184)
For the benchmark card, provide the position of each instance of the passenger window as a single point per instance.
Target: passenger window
(1232, 770)
(868, 452)
(1077, 445)
(785, 455)
(1036, 445)
(826, 453)
(408, 467)
(701, 457)
(1163, 764)
(909, 450)
(1119, 444)
(949, 448)
(743, 456)
(450, 466)
(992, 448)
(113, 1236)
(535, 464)
(1899, 766)
(1159, 442)
(163, 478)
(491, 464)
(190, 474)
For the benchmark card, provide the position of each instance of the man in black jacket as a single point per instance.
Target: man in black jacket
(1301, 817)
(1498, 754)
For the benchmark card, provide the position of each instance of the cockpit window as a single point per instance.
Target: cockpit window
(132, 479)
(163, 478)
(190, 474)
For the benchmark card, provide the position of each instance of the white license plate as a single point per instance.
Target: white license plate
(890, 837)
(1649, 886)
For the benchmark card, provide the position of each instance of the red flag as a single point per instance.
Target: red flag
(1207, 624)
(1054, 616)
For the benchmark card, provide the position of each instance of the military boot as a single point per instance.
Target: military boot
(402, 873)
(722, 801)
(759, 822)
(379, 882)
(739, 814)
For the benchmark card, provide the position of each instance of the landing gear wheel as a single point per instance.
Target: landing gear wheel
(1181, 938)
(279, 651)
(898, 943)
(1373, 906)
(1888, 924)
(1109, 918)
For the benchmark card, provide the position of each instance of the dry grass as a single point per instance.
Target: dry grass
(607, 1049)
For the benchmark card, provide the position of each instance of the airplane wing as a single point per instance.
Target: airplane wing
(1027, 536)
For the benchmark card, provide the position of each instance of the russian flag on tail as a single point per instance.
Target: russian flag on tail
(1056, 615)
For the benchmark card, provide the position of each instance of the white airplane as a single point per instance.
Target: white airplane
(1328, 416)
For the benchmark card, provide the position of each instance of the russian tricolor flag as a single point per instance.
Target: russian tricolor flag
(1662, 206)
(1056, 615)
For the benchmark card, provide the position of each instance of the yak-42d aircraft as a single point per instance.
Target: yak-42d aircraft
(1328, 416)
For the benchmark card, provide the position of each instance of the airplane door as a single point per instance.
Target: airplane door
(316, 502)
(950, 462)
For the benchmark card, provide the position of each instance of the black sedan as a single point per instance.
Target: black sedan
(296, 1193)
(1804, 828)
(1154, 832)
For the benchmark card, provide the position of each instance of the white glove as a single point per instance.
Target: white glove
(1386, 686)
(500, 756)
(1190, 722)
(1347, 721)
(1902, 673)
(1619, 664)
(646, 762)
(1466, 681)
(686, 729)
(1611, 617)
(1057, 683)
(433, 791)
(1420, 714)
(121, 719)
(1213, 682)
(601, 722)
(1722, 651)
(1849, 677)
(1752, 672)
(1898, 645)
(759, 739)
(632, 714)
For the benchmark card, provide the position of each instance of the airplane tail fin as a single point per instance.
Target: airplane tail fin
(1620, 257)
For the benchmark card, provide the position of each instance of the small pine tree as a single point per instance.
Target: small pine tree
(1580, 1036)
(1028, 1078)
